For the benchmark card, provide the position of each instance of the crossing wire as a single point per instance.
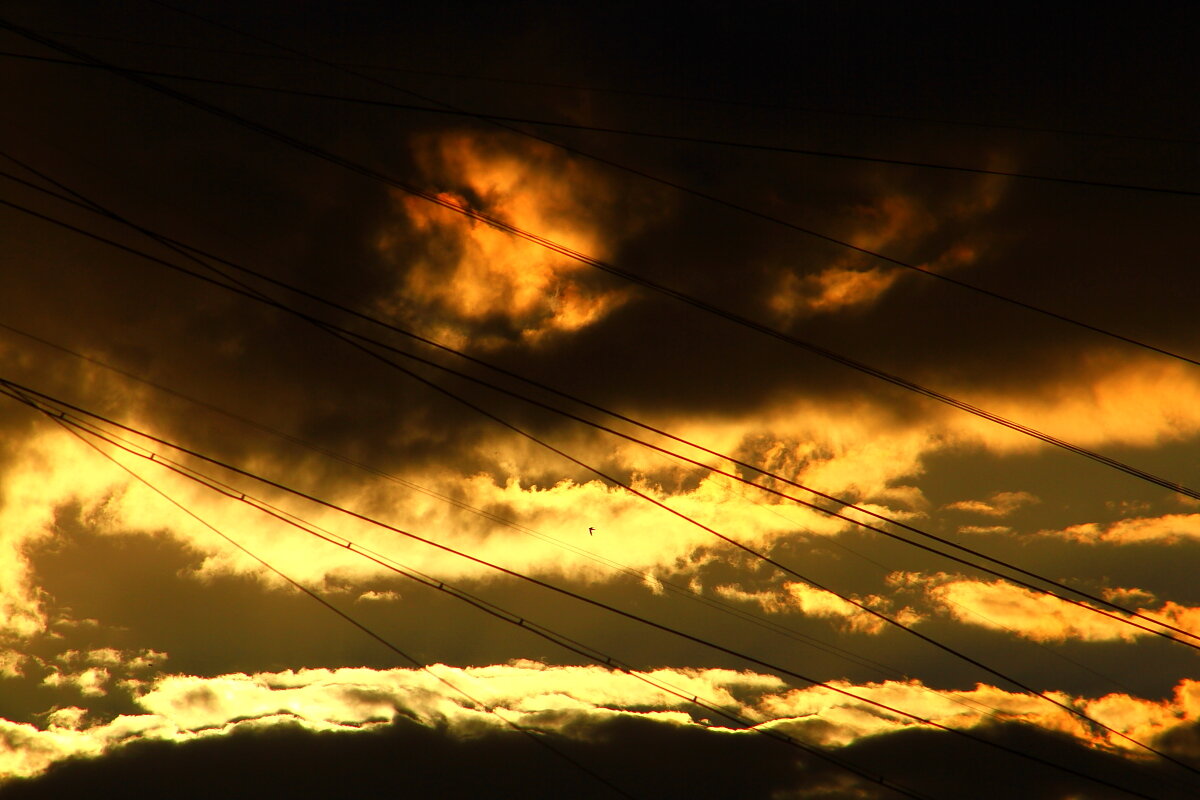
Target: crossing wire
(739, 545)
(344, 333)
(675, 294)
(504, 123)
(591, 89)
(448, 110)
(591, 653)
(22, 393)
(339, 612)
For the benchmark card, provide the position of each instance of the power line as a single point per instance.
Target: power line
(502, 122)
(487, 607)
(629, 488)
(347, 335)
(691, 190)
(641, 134)
(18, 391)
(739, 545)
(683, 591)
(339, 612)
(675, 294)
(591, 89)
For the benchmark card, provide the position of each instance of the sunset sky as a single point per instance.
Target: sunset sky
(489, 450)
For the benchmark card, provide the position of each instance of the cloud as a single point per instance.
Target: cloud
(999, 605)
(181, 708)
(984, 529)
(1165, 529)
(470, 273)
(1000, 504)
(41, 475)
(830, 290)
(893, 223)
(90, 682)
(1103, 400)
(814, 602)
(572, 701)
(855, 449)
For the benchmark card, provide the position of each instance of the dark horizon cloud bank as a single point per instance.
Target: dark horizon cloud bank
(142, 652)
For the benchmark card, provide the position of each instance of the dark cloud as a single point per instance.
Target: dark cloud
(645, 759)
(851, 77)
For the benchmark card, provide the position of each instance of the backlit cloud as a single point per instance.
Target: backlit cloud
(568, 700)
(1164, 529)
(470, 273)
(813, 602)
(1002, 606)
(1000, 504)
(892, 224)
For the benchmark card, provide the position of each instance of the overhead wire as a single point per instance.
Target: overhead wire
(22, 393)
(665, 507)
(892, 621)
(716, 604)
(634, 133)
(344, 332)
(675, 294)
(504, 123)
(654, 95)
(487, 607)
(1006, 577)
(314, 595)
(675, 588)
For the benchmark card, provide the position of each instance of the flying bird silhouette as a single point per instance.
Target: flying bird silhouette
(591, 531)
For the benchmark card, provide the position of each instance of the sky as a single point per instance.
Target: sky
(598, 430)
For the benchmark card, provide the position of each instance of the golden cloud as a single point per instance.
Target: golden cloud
(814, 602)
(1134, 401)
(1000, 504)
(893, 222)
(1165, 529)
(470, 271)
(567, 699)
(1003, 606)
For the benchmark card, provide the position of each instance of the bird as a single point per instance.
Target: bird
(591, 531)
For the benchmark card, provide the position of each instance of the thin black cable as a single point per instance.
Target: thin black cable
(502, 122)
(773, 562)
(16, 390)
(640, 134)
(739, 545)
(644, 93)
(603, 266)
(628, 487)
(339, 612)
(867, 609)
(343, 333)
(881, 669)
(870, 609)
(487, 607)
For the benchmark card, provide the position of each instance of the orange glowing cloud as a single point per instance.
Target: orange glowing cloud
(1165, 529)
(814, 602)
(1138, 401)
(569, 700)
(1000, 504)
(466, 271)
(892, 223)
(1002, 606)
(830, 290)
